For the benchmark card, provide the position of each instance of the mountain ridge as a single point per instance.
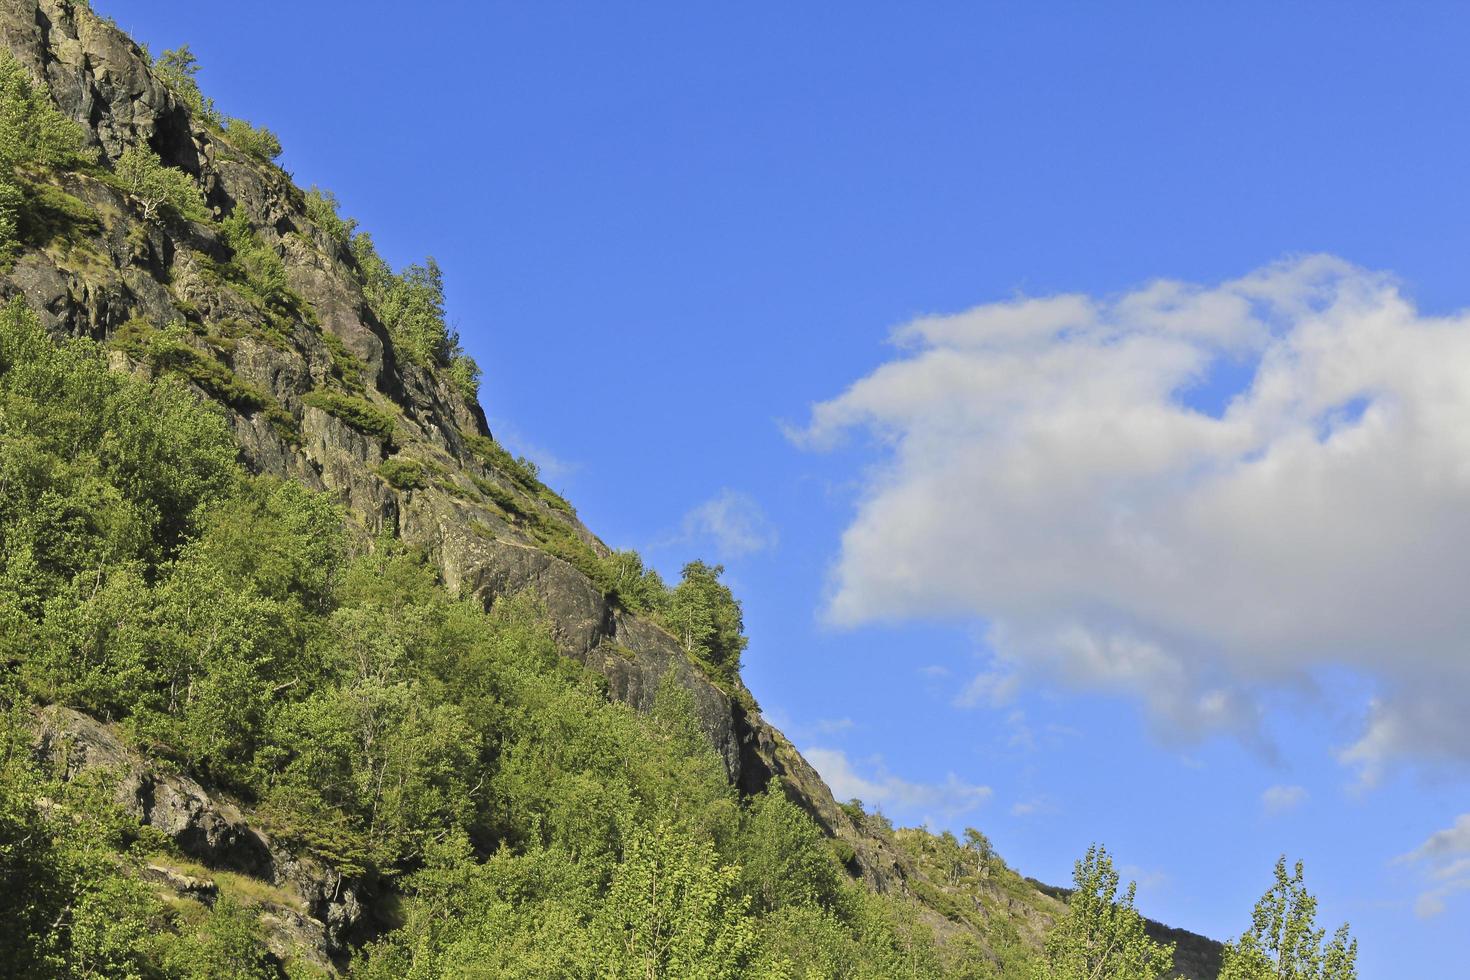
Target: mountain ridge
(316, 389)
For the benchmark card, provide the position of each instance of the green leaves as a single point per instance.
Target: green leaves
(672, 911)
(179, 70)
(1284, 941)
(705, 617)
(32, 132)
(34, 136)
(159, 190)
(1101, 936)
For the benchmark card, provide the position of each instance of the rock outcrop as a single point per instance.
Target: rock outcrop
(330, 912)
(94, 280)
(105, 273)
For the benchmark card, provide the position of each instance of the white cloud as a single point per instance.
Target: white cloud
(835, 726)
(1445, 859)
(1033, 807)
(924, 801)
(734, 522)
(995, 688)
(1045, 473)
(1277, 800)
(1147, 879)
(551, 467)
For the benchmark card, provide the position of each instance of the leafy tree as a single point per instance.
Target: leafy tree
(325, 212)
(706, 618)
(257, 263)
(464, 374)
(1101, 937)
(228, 945)
(179, 70)
(34, 135)
(257, 141)
(672, 911)
(784, 859)
(1284, 943)
(636, 586)
(157, 188)
(979, 845)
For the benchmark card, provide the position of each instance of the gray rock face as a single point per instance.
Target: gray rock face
(208, 828)
(161, 273)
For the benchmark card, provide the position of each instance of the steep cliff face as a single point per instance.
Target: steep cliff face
(97, 276)
(316, 390)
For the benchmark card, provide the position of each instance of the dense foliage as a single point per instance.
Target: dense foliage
(1102, 937)
(34, 138)
(157, 188)
(520, 822)
(368, 718)
(1284, 941)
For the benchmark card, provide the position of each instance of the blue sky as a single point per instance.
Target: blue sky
(1063, 569)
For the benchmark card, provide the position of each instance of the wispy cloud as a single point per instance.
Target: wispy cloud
(552, 467)
(1276, 800)
(834, 726)
(1073, 471)
(994, 687)
(1034, 806)
(732, 522)
(877, 786)
(1445, 861)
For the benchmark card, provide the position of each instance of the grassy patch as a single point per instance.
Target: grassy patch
(50, 214)
(403, 474)
(347, 368)
(166, 351)
(496, 456)
(356, 412)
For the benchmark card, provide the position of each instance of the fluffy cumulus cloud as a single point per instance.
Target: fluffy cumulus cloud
(927, 802)
(1183, 493)
(733, 522)
(1445, 859)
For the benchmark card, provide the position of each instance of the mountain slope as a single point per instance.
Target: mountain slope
(271, 305)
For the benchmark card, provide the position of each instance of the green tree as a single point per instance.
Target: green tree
(179, 70)
(706, 619)
(1101, 937)
(258, 141)
(784, 859)
(33, 135)
(157, 188)
(1284, 943)
(673, 911)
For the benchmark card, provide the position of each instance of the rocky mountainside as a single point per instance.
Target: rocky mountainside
(317, 389)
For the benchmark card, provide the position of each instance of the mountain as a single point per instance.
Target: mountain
(171, 240)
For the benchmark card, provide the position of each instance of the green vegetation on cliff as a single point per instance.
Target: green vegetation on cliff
(434, 753)
(369, 719)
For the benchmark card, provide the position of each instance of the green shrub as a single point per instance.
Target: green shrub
(347, 367)
(158, 189)
(33, 135)
(257, 141)
(359, 413)
(464, 374)
(256, 265)
(493, 454)
(403, 474)
(179, 70)
(323, 209)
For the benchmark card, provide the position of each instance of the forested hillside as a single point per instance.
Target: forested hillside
(304, 674)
